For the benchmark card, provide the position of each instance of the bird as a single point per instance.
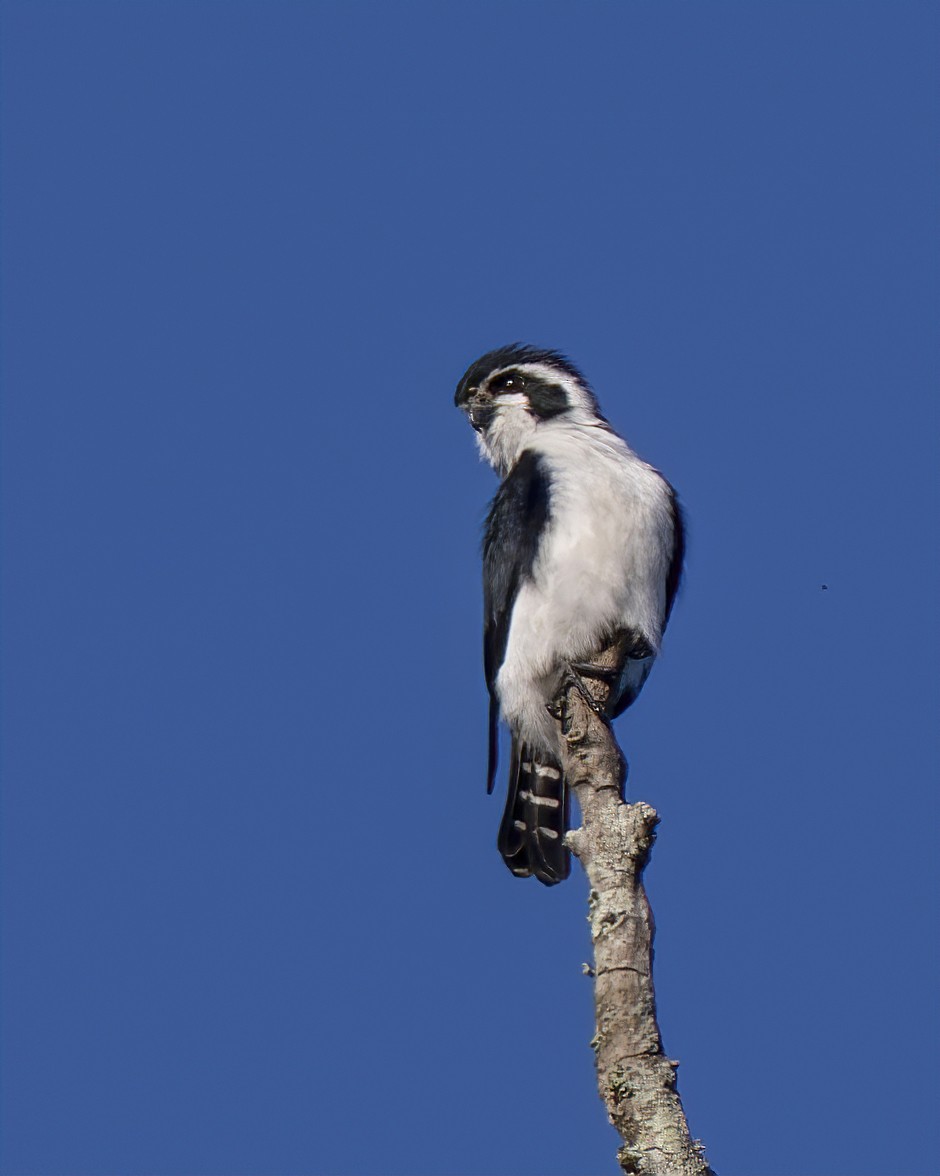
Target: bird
(583, 542)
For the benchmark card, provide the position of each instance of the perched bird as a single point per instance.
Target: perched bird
(583, 541)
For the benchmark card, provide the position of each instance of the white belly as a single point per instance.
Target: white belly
(602, 566)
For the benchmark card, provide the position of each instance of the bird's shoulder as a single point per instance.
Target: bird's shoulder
(518, 513)
(515, 525)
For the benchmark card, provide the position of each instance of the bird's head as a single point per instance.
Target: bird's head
(511, 393)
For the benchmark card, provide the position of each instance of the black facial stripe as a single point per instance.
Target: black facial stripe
(507, 361)
(545, 400)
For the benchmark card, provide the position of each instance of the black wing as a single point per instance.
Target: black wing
(674, 573)
(639, 655)
(514, 527)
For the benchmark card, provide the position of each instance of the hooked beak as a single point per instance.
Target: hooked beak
(478, 406)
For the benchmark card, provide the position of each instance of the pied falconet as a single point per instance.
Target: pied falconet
(583, 541)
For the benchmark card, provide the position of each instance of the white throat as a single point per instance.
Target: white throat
(510, 430)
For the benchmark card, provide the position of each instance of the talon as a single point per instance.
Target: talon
(571, 678)
(575, 680)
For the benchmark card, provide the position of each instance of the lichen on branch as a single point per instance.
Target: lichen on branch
(636, 1080)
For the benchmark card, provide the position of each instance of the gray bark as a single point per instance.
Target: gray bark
(637, 1082)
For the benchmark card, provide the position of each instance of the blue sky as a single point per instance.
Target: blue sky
(254, 921)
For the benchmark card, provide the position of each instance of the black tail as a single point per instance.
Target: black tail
(531, 836)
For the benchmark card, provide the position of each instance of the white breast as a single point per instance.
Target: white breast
(602, 565)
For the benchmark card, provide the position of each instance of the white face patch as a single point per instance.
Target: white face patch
(511, 400)
(514, 426)
(578, 399)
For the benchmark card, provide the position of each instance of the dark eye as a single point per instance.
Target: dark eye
(511, 382)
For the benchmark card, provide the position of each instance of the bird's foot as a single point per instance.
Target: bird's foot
(571, 677)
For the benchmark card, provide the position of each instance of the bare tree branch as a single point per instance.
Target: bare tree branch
(637, 1082)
